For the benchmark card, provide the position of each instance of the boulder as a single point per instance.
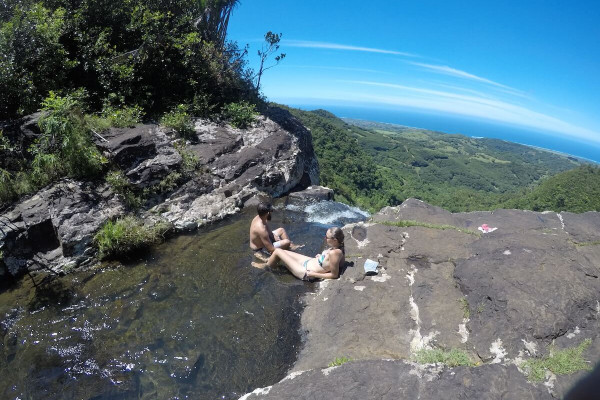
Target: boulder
(310, 194)
(127, 147)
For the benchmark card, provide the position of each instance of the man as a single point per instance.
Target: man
(262, 239)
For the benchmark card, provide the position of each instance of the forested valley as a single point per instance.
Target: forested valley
(374, 165)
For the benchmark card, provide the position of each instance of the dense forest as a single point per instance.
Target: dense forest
(94, 64)
(373, 165)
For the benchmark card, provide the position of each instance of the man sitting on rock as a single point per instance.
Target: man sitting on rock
(264, 241)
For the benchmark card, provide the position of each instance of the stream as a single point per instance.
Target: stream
(190, 318)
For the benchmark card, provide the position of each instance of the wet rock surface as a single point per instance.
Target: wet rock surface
(53, 229)
(502, 297)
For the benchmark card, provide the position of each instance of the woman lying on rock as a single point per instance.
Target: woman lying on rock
(325, 265)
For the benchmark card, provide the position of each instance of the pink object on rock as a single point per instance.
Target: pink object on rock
(486, 229)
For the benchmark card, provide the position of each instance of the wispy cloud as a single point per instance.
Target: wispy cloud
(472, 106)
(337, 46)
(338, 68)
(445, 70)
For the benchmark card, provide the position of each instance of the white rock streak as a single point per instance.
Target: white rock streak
(574, 333)
(531, 347)
(384, 277)
(499, 351)
(293, 375)
(258, 391)
(562, 223)
(462, 331)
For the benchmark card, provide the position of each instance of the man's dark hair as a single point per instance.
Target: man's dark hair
(264, 208)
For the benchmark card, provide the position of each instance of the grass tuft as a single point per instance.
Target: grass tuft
(127, 234)
(559, 362)
(339, 361)
(409, 223)
(452, 358)
(464, 306)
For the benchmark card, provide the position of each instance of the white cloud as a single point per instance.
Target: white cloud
(336, 46)
(471, 106)
(337, 68)
(445, 70)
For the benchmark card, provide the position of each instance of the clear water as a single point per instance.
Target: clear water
(190, 319)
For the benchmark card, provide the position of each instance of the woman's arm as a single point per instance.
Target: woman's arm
(334, 263)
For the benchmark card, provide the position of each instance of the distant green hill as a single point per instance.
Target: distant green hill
(577, 190)
(373, 164)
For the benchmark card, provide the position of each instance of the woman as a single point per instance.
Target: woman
(325, 265)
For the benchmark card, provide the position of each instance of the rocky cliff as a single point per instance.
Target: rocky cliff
(519, 292)
(54, 228)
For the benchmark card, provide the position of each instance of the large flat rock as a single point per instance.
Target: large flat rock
(503, 297)
(394, 379)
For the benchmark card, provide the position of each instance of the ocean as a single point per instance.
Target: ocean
(468, 127)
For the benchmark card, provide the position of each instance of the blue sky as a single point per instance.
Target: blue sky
(532, 64)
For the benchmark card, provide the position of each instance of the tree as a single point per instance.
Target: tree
(270, 46)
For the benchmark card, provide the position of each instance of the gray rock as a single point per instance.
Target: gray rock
(310, 194)
(127, 147)
(501, 297)
(394, 379)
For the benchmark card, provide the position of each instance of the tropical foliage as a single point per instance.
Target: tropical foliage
(153, 54)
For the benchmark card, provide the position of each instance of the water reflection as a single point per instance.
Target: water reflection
(191, 319)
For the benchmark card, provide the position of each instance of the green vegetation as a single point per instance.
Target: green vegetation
(95, 65)
(64, 148)
(408, 223)
(154, 55)
(180, 120)
(455, 172)
(241, 114)
(559, 362)
(190, 161)
(451, 358)
(464, 306)
(339, 361)
(577, 190)
(121, 186)
(122, 117)
(344, 165)
(125, 235)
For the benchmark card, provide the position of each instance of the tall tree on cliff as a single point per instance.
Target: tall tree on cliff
(269, 47)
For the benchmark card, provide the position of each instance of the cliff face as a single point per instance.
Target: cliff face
(501, 297)
(54, 228)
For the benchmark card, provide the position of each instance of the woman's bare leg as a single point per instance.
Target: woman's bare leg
(292, 261)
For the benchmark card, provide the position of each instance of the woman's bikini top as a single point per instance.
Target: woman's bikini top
(321, 257)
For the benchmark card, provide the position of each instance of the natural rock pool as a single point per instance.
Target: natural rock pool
(191, 319)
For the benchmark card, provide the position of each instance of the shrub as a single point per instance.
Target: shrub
(190, 161)
(179, 120)
(240, 114)
(65, 146)
(121, 185)
(125, 235)
(560, 362)
(123, 117)
(452, 358)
